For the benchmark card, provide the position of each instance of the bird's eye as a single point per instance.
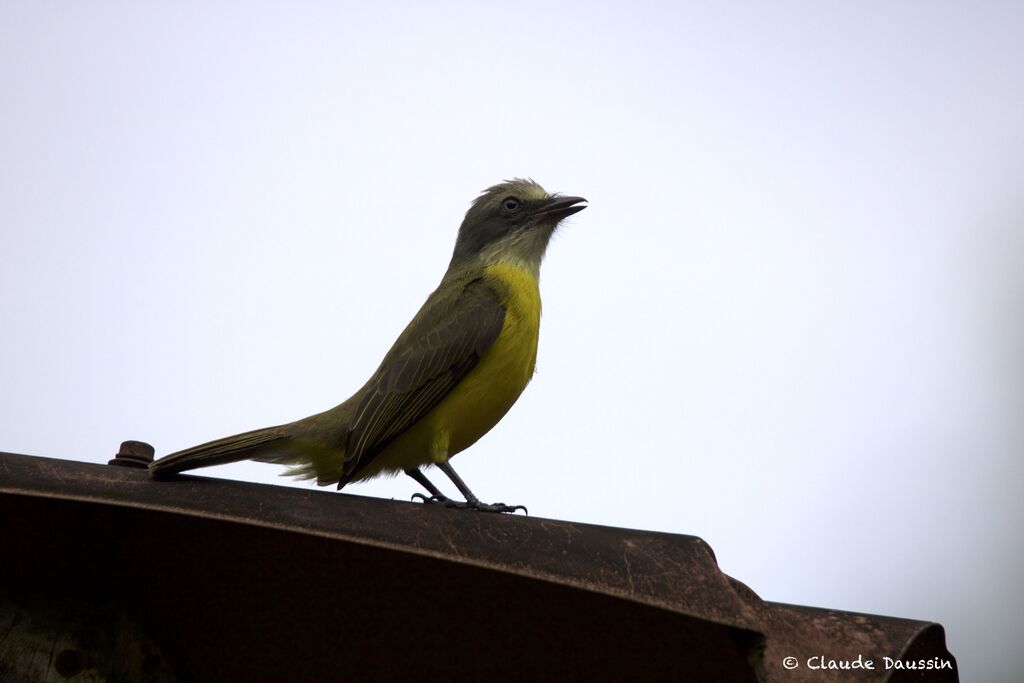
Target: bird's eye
(510, 204)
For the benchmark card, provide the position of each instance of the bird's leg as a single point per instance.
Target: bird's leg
(471, 500)
(435, 493)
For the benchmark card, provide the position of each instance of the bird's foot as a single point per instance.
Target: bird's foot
(443, 500)
(497, 507)
(469, 504)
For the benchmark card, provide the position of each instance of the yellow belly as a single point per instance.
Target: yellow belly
(484, 395)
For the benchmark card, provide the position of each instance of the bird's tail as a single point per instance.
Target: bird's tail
(268, 444)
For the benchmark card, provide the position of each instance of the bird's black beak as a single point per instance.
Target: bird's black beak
(561, 207)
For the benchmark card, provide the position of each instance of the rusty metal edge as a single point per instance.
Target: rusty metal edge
(747, 623)
(724, 600)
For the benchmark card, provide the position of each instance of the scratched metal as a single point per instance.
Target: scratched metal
(612, 588)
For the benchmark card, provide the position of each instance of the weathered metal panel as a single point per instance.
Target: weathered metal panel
(205, 579)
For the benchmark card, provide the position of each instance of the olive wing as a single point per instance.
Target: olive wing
(441, 345)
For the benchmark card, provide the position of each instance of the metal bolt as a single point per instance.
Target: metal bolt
(133, 454)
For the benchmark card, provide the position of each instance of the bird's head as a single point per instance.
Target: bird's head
(512, 222)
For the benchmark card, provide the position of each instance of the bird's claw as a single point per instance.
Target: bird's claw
(469, 505)
(499, 507)
(430, 499)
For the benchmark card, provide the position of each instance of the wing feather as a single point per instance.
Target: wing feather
(439, 347)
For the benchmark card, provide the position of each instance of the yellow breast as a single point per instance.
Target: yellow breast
(484, 395)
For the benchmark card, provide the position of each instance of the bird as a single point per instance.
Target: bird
(449, 378)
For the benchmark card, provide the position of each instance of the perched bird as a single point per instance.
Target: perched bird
(450, 377)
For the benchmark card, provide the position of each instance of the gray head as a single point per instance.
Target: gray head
(512, 222)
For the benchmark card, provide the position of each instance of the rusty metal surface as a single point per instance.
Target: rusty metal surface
(665, 570)
(817, 636)
(374, 575)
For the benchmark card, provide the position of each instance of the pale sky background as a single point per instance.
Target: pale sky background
(791, 321)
